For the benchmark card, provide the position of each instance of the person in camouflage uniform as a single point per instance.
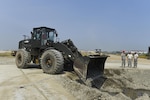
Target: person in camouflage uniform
(123, 58)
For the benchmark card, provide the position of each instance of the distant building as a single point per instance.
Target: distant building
(139, 51)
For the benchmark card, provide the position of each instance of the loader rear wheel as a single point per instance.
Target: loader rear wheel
(52, 62)
(22, 58)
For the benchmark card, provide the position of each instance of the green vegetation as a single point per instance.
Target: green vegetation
(145, 56)
(4, 54)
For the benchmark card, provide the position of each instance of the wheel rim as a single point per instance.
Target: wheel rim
(48, 62)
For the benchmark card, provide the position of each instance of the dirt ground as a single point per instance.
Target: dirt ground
(33, 84)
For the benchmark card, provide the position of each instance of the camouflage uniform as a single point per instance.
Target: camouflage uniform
(123, 58)
(135, 59)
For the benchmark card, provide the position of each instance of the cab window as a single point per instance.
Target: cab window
(51, 36)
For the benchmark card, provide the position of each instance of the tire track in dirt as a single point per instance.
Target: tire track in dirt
(47, 86)
(34, 85)
(16, 86)
(30, 84)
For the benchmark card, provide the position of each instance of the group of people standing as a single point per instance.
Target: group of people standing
(131, 58)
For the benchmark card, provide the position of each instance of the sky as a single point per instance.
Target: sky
(109, 25)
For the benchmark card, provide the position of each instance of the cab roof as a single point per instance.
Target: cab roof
(43, 27)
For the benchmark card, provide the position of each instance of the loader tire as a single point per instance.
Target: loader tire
(52, 62)
(22, 58)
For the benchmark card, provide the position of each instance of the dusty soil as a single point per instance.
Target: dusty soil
(33, 84)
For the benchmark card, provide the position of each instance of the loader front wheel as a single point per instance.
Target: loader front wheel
(52, 62)
(22, 58)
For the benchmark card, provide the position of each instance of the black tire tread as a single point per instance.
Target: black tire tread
(59, 60)
(26, 58)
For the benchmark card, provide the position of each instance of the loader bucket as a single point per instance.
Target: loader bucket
(90, 69)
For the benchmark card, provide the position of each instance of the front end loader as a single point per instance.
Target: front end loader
(54, 57)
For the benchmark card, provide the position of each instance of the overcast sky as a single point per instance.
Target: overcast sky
(109, 25)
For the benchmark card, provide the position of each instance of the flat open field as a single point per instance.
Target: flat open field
(33, 84)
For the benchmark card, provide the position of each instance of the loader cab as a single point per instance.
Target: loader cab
(44, 35)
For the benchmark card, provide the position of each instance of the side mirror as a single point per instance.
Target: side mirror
(56, 35)
(32, 35)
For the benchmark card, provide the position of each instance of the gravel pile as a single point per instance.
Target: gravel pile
(121, 84)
